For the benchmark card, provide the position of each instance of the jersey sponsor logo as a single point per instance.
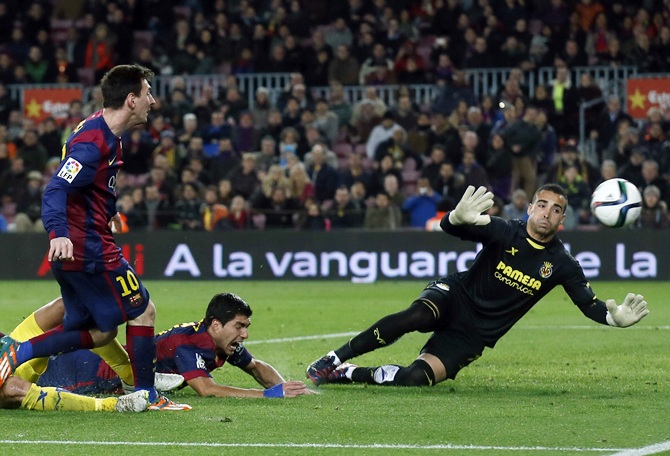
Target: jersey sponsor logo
(111, 161)
(546, 270)
(517, 279)
(512, 251)
(199, 362)
(70, 170)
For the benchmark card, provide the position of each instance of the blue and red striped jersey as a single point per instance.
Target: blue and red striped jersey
(80, 199)
(188, 349)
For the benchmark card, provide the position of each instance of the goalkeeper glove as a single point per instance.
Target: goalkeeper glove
(274, 392)
(632, 310)
(469, 209)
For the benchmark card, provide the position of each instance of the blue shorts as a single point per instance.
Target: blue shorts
(81, 372)
(102, 300)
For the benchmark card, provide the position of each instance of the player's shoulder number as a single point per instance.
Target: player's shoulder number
(77, 128)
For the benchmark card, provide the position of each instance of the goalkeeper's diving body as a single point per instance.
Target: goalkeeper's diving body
(519, 263)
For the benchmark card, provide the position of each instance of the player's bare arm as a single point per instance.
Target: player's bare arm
(207, 387)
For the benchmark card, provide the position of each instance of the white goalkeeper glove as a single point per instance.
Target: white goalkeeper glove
(632, 310)
(469, 209)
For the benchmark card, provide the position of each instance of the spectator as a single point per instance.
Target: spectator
(159, 209)
(498, 167)
(29, 205)
(244, 178)
(472, 171)
(565, 106)
(224, 190)
(33, 153)
(383, 214)
(654, 213)
(632, 170)
(214, 214)
(642, 54)
(569, 155)
(517, 208)
(279, 208)
(167, 147)
(578, 193)
(548, 145)
(311, 219)
(409, 65)
(444, 132)
(589, 92)
(50, 137)
(324, 176)
(339, 34)
(607, 122)
(481, 56)
(267, 156)
(356, 172)
(431, 170)
(522, 138)
(423, 205)
(344, 67)
(100, 51)
(40, 68)
(391, 186)
(326, 120)
(300, 187)
(378, 63)
(239, 217)
(224, 162)
(622, 143)
(651, 176)
(343, 213)
(395, 146)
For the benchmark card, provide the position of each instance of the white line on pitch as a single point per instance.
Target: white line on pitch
(446, 446)
(651, 449)
(520, 328)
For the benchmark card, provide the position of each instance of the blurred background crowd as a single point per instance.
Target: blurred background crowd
(300, 158)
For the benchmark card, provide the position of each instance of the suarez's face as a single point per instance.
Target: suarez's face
(227, 337)
(545, 215)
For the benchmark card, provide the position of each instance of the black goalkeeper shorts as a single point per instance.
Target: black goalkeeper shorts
(456, 342)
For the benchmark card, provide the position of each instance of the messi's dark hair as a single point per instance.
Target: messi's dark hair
(121, 80)
(224, 307)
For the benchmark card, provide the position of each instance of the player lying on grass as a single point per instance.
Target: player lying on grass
(520, 262)
(20, 390)
(19, 393)
(192, 350)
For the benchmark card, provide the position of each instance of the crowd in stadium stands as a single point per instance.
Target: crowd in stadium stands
(216, 163)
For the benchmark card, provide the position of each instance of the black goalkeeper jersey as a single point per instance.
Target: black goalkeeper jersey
(512, 272)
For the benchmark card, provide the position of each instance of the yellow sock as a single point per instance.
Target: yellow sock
(49, 398)
(28, 329)
(116, 356)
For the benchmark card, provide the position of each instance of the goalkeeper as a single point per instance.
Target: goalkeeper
(520, 263)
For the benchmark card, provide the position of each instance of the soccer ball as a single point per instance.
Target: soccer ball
(616, 203)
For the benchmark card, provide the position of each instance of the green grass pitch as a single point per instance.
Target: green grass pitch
(557, 384)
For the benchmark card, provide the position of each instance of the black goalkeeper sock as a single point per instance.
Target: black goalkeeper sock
(417, 317)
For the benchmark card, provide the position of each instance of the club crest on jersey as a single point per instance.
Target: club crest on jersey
(442, 286)
(70, 170)
(546, 270)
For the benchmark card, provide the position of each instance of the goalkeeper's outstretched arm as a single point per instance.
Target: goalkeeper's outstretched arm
(630, 311)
